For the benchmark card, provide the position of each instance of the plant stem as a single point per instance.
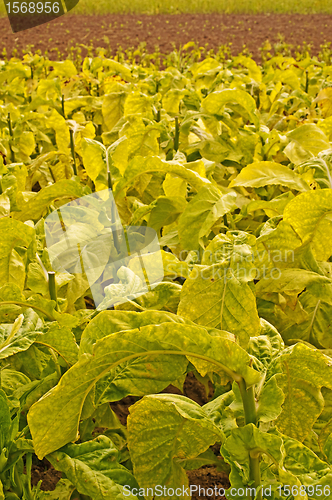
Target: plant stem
(158, 110)
(10, 125)
(11, 135)
(248, 399)
(17, 487)
(250, 417)
(109, 180)
(52, 288)
(177, 134)
(72, 147)
(306, 81)
(225, 221)
(28, 464)
(63, 106)
(255, 474)
(72, 144)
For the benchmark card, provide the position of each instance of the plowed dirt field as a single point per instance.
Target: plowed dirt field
(212, 30)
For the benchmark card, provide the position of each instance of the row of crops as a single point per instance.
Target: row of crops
(230, 164)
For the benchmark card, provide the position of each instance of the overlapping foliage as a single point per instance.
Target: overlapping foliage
(231, 164)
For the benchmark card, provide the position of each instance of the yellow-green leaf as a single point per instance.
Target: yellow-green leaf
(265, 173)
(162, 430)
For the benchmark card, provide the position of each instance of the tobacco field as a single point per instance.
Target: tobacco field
(230, 163)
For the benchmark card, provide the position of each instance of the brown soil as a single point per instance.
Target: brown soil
(47, 474)
(211, 30)
(205, 478)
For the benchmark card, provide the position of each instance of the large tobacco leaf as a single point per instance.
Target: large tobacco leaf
(201, 213)
(265, 173)
(212, 296)
(216, 102)
(309, 214)
(36, 206)
(140, 165)
(62, 341)
(301, 374)
(164, 430)
(140, 362)
(16, 238)
(116, 321)
(315, 326)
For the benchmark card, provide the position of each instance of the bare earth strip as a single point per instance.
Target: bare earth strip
(164, 30)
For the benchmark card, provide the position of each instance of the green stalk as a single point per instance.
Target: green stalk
(258, 101)
(177, 134)
(28, 464)
(250, 417)
(63, 226)
(158, 111)
(306, 81)
(109, 180)
(17, 483)
(72, 144)
(248, 399)
(225, 221)
(11, 135)
(10, 125)
(255, 474)
(52, 288)
(72, 147)
(63, 106)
